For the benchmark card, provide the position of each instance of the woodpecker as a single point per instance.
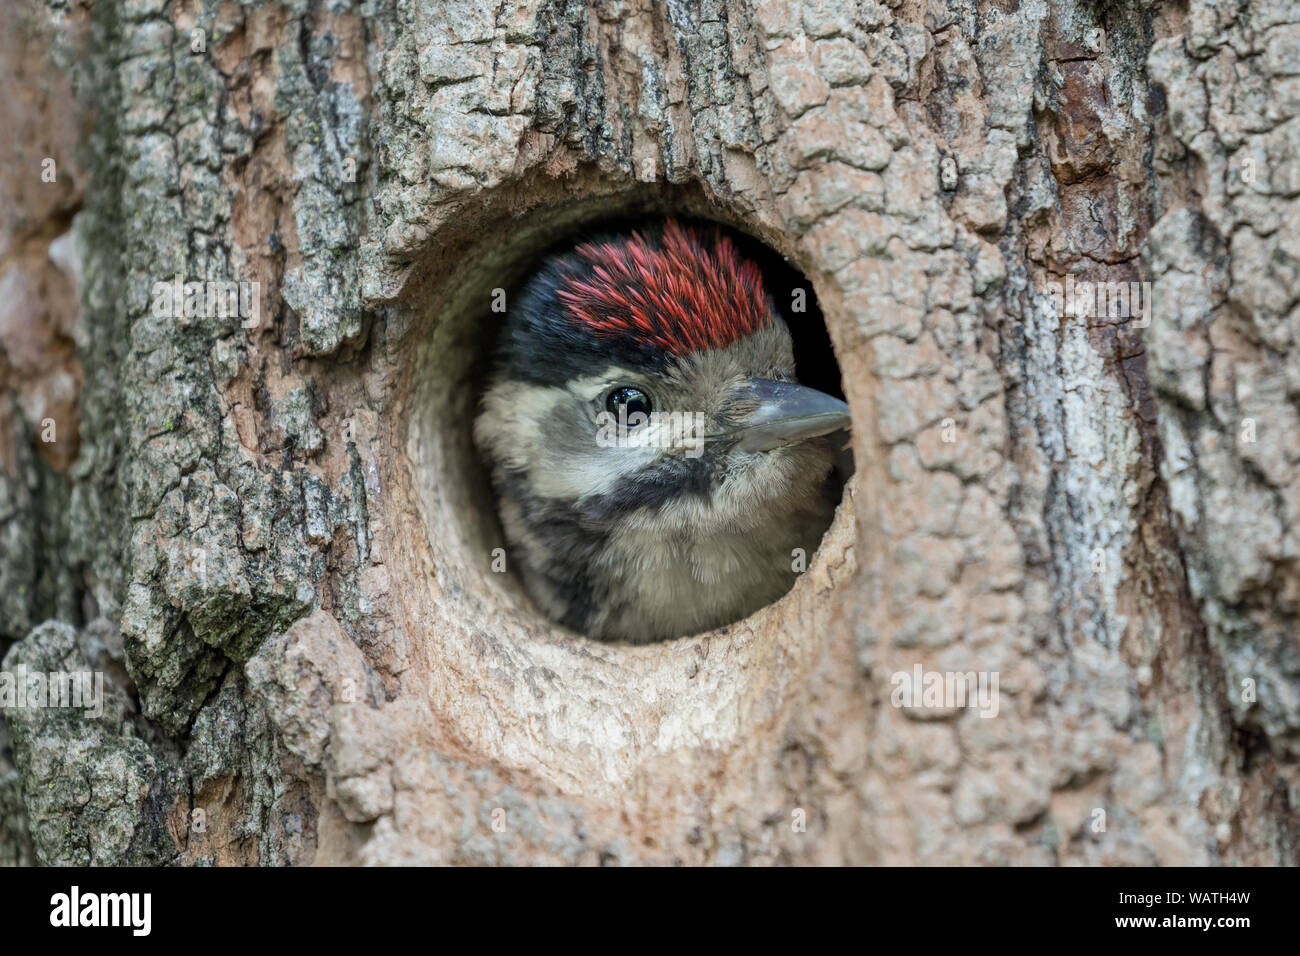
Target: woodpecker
(656, 464)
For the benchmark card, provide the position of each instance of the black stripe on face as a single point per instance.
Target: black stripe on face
(566, 540)
(670, 479)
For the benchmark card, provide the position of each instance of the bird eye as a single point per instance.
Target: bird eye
(630, 405)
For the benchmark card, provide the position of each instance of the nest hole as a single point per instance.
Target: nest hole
(447, 351)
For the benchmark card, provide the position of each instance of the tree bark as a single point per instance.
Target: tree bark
(274, 540)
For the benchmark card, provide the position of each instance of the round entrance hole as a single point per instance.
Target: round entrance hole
(455, 344)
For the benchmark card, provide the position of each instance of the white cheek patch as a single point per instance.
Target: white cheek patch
(601, 472)
(508, 426)
(597, 458)
(588, 464)
(551, 434)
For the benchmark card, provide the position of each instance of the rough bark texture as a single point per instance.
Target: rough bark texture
(276, 544)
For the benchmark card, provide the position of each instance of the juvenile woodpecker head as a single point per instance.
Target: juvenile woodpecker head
(655, 462)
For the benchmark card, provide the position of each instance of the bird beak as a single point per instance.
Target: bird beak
(786, 413)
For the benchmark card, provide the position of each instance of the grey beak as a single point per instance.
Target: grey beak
(786, 413)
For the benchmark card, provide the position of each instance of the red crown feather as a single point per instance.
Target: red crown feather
(690, 291)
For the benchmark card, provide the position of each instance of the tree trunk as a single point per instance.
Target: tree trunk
(269, 532)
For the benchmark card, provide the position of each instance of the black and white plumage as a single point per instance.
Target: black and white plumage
(634, 530)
